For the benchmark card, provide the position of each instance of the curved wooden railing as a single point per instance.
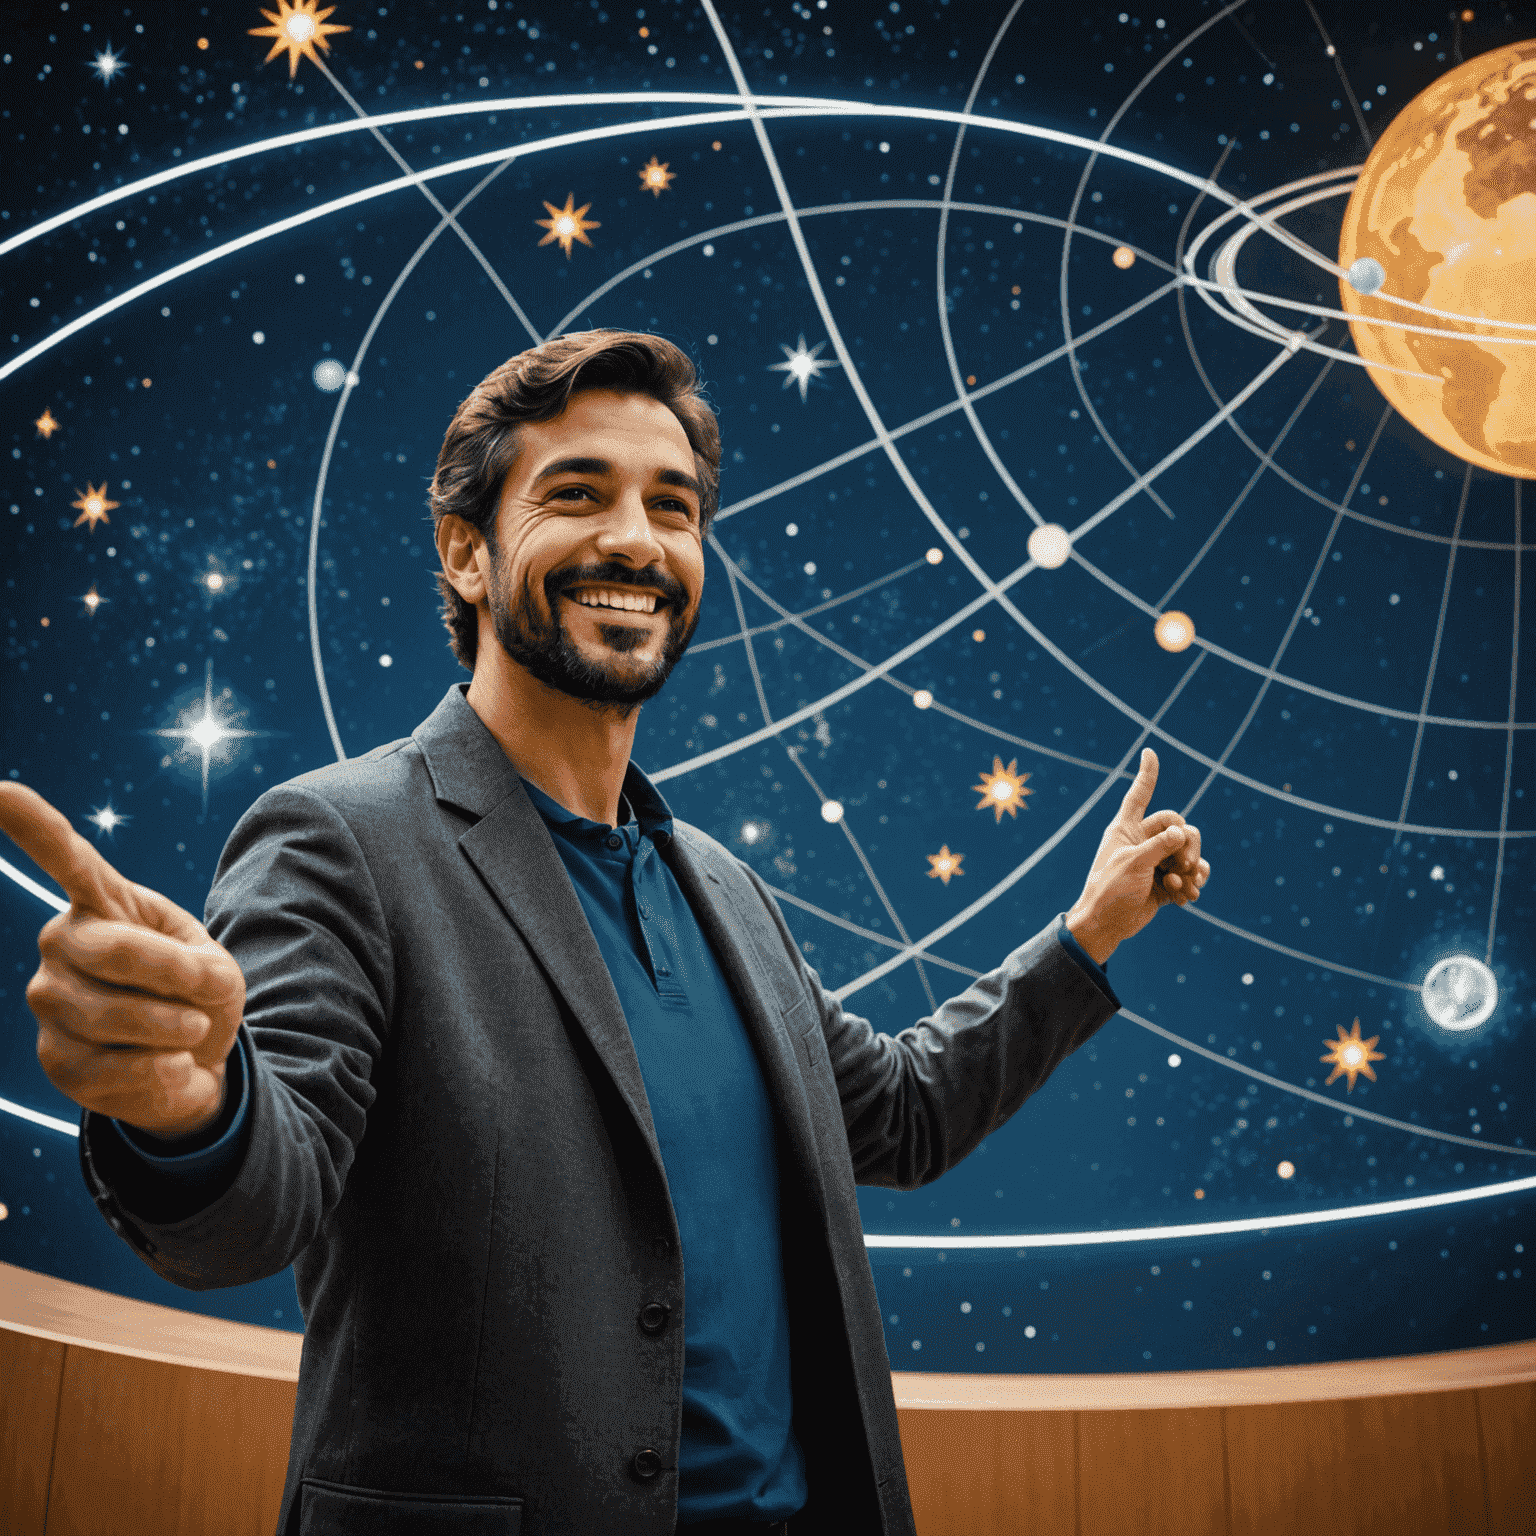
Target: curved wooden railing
(118, 1416)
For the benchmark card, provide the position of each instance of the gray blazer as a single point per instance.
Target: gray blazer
(450, 1142)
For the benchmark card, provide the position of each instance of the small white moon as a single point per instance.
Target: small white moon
(329, 375)
(1050, 546)
(1366, 275)
(1460, 992)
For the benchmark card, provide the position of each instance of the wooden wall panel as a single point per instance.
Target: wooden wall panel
(31, 1370)
(143, 1445)
(1157, 1474)
(1374, 1466)
(971, 1473)
(1507, 1419)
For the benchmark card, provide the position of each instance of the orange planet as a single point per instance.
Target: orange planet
(1444, 214)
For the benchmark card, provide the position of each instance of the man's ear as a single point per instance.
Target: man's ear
(458, 547)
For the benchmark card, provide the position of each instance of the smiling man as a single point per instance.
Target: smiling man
(528, 1080)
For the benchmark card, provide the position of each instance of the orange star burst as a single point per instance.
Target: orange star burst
(945, 865)
(1003, 789)
(46, 425)
(567, 224)
(1350, 1055)
(655, 177)
(299, 28)
(93, 504)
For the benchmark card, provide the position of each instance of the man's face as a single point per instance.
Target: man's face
(598, 569)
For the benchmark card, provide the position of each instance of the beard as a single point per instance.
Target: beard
(545, 649)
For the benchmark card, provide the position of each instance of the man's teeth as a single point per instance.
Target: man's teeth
(633, 601)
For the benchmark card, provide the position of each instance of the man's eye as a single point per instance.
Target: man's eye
(573, 491)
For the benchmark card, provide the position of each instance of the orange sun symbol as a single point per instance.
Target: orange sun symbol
(93, 505)
(299, 28)
(46, 425)
(1003, 789)
(945, 865)
(1350, 1055)
(567, 224)
(655, 177)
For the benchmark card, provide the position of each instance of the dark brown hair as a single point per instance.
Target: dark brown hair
(481, 444)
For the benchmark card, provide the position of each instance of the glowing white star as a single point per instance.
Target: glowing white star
(107, 65)
(802, 365)
(206, 733)
(107, 820)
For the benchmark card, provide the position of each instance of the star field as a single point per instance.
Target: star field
(1010, 489)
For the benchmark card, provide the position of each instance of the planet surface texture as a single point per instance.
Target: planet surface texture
(1446, 205)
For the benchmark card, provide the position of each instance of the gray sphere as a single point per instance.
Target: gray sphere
(1366, 275)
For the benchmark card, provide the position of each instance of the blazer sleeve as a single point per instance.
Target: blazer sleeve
(916, 1103)
(294, 901)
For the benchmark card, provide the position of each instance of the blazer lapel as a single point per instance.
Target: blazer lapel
(729, 935)
(511, 848)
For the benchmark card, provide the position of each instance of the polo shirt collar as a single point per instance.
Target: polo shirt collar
(646, 804)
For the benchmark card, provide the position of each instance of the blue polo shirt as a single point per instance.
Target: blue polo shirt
(739, 1456)
(714, 1123)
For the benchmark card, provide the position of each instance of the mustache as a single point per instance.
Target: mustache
(611, 573)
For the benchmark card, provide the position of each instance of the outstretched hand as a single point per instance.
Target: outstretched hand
(1143, 863)
(137, 1007)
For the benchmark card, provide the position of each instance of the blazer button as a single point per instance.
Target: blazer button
(654, 1315)
(646, 1465)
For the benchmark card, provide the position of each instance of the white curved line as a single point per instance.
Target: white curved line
(380, 120)
(1026, 1240)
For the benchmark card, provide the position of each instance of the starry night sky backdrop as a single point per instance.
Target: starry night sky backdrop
(198, 405)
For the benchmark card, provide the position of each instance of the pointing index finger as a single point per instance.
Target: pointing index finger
(46, 837)
(1139, 796)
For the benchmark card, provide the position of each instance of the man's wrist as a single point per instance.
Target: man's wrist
(1097, 945)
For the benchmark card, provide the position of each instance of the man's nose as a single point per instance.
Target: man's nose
(627, 532)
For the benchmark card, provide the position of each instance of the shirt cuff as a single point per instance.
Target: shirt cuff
(1096, 972)
(197, 1162)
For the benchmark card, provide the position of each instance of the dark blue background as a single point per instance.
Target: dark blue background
(216, 458)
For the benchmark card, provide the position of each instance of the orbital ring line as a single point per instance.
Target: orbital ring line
(1025, 1240)
(699, 647)
(1242, 495)
(378, 120)
(946, 331)
(882, 204)
(349, 383)
(1302, 603)
(1245, 209)
(1342, 1105)
(1509, 751)
(1066, 245)
(394, 154)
